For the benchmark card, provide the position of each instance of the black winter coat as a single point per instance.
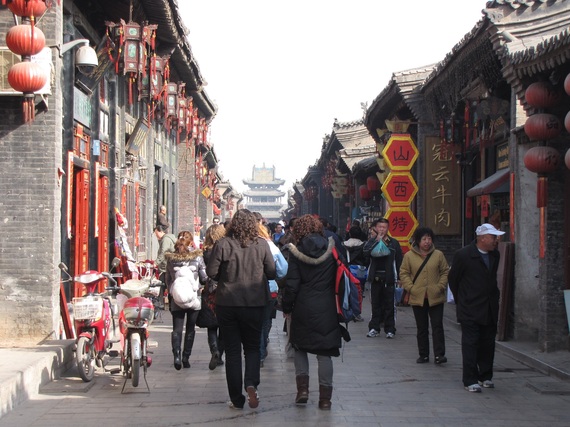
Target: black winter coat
(309, 296)
(474, 286)
(390, 264)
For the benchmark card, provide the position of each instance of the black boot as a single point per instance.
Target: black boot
(188, 344)
(175, 340)
(302, 389)
(213, 344)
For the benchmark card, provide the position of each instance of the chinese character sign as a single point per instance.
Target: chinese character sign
(443, 188)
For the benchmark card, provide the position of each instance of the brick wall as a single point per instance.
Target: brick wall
(30, 207)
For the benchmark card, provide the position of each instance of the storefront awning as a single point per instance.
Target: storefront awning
(496, 183)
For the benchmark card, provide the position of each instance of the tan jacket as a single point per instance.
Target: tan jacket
(432, 281)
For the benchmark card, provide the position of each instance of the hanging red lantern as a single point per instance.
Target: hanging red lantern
(542, 160)
(567, 159)
(364, 193)
(372, 183)
(567, 84)
(25, 40)
(542, 95)
(567, 121)
(539, 127)
(27, 77)
(27, 7)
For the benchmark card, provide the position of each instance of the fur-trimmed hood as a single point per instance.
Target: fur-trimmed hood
(314, 249)
(176, 257)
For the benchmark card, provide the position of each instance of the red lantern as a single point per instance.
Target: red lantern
(542, 159)
(25, 40)
(372, 183)
(567, 121)
(27, 77)
(364, 193)
(542, 95)
(542, 126)
(567, 159)
(27, 7)
(567, 84)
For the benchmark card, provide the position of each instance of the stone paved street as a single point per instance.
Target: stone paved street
(377, 383)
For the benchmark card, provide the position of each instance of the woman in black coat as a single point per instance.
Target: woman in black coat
(309, 298)
(207, 317)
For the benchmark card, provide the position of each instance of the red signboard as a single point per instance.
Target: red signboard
(402, 223)
(400, 152)
(399, 189)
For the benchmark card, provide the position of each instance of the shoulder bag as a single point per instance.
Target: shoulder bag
(407, 296)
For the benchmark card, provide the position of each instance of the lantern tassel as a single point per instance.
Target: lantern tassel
(541, 191)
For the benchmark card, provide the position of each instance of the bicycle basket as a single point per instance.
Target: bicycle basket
(87, 308)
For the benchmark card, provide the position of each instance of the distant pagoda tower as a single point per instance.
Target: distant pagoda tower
(263, 195)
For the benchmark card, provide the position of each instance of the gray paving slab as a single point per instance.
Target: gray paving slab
(376, 383)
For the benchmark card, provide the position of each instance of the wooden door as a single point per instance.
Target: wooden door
(81, 226)
(103, 225)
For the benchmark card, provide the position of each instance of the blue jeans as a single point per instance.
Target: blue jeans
(240, 326)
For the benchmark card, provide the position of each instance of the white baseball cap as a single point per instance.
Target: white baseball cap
(488, 229)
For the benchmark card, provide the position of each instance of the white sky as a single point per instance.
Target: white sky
(280, 72)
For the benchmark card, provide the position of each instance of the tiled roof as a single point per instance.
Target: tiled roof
(404, 85)
(351, 156)
(532, 32)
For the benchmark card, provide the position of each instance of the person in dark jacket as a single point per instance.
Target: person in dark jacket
(383, 275)
(310, 299)
(207, 315)
(241, 263)
(473, 282)
(185, 260)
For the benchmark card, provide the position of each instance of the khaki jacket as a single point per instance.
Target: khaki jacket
(432, 281)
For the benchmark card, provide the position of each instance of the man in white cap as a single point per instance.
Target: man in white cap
(473, 282)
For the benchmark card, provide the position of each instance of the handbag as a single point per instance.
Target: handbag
(407, 296)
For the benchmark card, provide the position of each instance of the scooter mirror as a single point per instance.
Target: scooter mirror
(116, 261)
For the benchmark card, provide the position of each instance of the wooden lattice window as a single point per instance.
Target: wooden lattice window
(104, 156)
(81, 143)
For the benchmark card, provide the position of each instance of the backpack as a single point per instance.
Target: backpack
(184, 289)
(348, 295)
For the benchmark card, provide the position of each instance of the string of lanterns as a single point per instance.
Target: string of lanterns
(542, 127)
(26, 40)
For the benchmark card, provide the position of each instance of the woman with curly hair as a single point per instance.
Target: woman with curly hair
(309, 298)
(207, 318)
(241, 263)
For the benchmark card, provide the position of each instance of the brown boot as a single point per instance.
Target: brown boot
(302, 389)
(325, 394)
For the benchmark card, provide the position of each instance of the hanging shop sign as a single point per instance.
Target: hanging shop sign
(400, 152)
(402, 223)
(442, 189)
(399, 189)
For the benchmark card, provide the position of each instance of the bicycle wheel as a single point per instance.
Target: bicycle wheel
(85, 357)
